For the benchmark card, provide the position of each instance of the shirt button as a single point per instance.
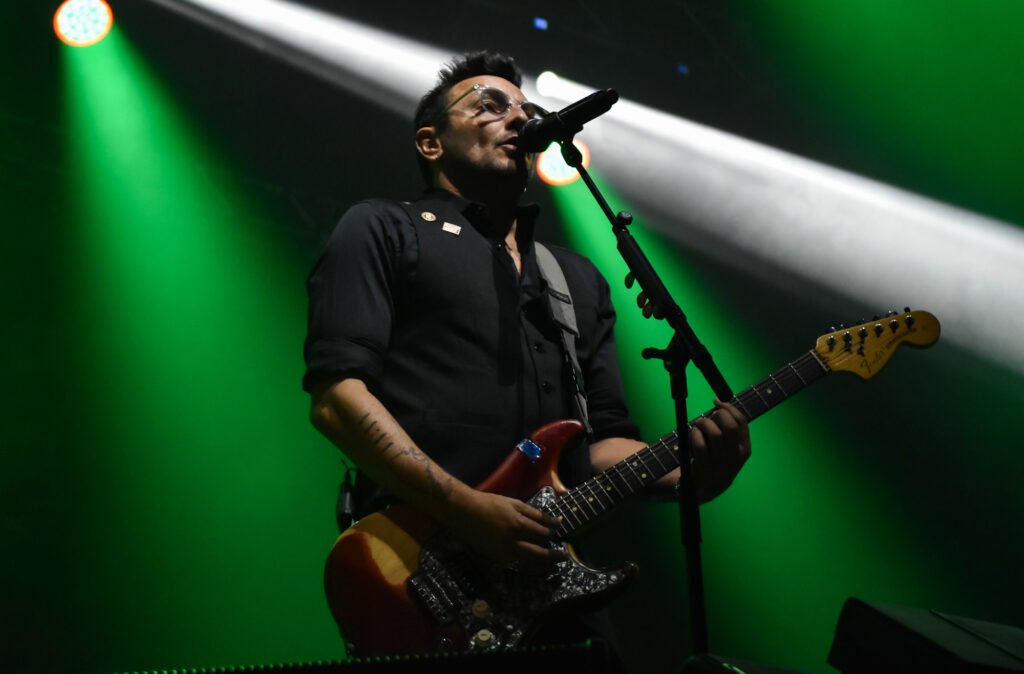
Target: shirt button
(547, 387)
(538, 347)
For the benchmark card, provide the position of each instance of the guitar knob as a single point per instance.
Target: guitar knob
(483, 638)
(481, 609)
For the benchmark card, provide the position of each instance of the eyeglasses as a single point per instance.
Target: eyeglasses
(496, 104)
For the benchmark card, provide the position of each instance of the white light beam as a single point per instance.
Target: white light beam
(783, 216)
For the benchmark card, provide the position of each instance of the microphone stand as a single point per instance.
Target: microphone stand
(682, 348)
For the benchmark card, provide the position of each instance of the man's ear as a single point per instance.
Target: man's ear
(428, 143)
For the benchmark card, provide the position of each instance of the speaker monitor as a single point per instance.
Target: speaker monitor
(882, 638)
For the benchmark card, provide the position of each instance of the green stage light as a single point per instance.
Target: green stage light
(81, 23)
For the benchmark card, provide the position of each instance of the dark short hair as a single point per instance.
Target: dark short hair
(431, 110)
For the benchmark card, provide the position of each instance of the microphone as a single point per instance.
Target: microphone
(537, 134)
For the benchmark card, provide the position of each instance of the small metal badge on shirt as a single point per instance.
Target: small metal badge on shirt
(428, 216)
(451, 229)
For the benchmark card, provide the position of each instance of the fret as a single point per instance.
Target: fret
(633, 470)
(579, 502)
(613, 485)
(646, 475)
(603, 491)
(556, 509)
(589, 500)
(570, 514)
(595, 492)
(737, 401)
(767, 405)
(616, 472)
(622, 472)
(772, 377)
(670, 455)
(610, 475)
(664, 470)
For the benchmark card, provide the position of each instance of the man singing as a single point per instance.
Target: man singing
(431, 348)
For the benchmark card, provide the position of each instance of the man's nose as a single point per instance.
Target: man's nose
(516, 118)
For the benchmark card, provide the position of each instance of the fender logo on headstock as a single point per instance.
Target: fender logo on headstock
(876, 341)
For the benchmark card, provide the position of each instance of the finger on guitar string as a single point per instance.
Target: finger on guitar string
(721, 445)
(537, 558)
(539, 516)
(735, 426)
(503, 529)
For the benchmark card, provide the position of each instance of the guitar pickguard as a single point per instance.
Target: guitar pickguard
(496, 608)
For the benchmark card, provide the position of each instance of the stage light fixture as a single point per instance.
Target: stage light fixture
(553, 170)
(81, 23)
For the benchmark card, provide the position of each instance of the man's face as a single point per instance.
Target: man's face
(477, 141)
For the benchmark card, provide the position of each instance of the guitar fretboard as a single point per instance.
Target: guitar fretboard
(583, 504)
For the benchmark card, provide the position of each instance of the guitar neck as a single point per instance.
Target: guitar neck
(583, 504)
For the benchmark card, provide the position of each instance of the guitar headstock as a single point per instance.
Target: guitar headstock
(864, 349)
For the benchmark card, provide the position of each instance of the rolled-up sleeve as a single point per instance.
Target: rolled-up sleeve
(352, 293)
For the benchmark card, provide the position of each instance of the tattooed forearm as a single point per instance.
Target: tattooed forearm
(387, 447)
(380, 438)
(428, 467)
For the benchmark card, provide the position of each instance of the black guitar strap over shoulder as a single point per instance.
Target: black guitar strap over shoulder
(564, 315)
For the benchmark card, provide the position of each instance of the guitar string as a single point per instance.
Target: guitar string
(621, 470)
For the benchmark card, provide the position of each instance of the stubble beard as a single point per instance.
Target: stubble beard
(513, 176)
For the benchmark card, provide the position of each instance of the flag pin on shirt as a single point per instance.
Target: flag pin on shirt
(451, 229)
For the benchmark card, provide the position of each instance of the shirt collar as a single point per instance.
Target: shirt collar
(476, 213)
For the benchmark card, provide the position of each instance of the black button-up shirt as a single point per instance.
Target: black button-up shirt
(424, 304)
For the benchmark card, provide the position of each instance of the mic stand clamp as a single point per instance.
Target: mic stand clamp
(683, 347)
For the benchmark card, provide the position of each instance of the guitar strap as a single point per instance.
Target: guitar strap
(564, 315)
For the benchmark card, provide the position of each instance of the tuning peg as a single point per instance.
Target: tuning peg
(630, 280)
(875, 318)
(906, 309)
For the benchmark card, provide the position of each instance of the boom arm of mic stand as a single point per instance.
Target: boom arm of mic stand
(683, 347)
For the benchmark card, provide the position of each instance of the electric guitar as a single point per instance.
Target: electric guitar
(397, 582)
